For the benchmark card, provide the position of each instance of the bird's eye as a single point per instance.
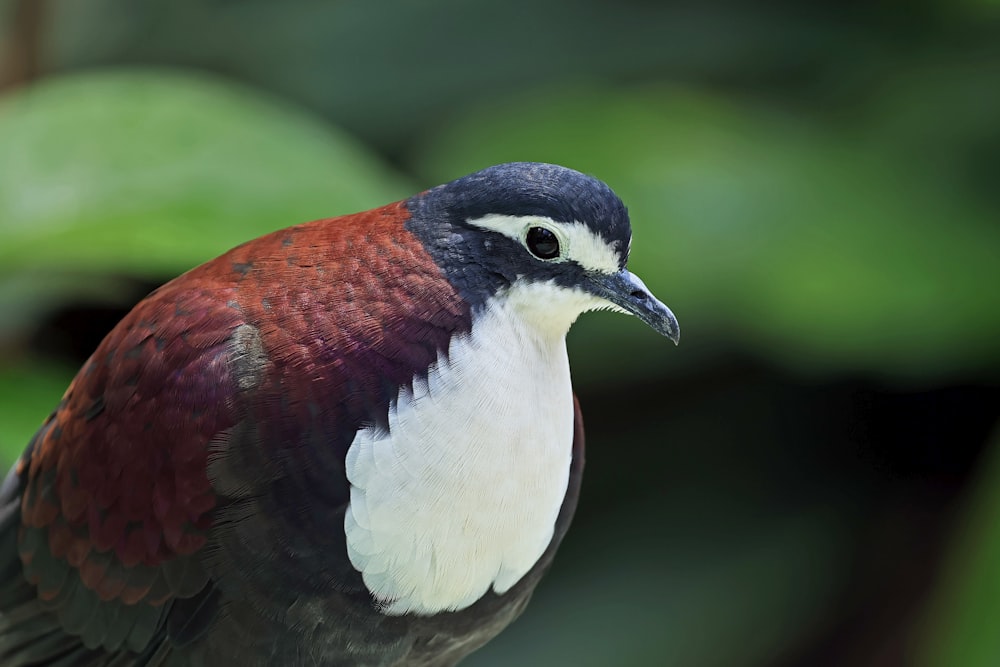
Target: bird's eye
(542, 243)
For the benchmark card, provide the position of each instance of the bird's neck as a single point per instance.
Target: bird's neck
(461, 493)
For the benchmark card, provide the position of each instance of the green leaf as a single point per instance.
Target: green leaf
(152, 172)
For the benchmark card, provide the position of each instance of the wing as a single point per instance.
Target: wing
(107, 509)
(189, 490)
(343, 332)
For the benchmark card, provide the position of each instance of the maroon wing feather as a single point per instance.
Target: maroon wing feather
(229, 394)
(116, 498)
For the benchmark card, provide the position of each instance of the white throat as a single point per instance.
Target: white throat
(462, 492)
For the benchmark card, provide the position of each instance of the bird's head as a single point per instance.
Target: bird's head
(549, 241)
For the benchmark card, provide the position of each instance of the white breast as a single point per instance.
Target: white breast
(462, 492)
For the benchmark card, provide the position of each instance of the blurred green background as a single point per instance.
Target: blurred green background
(812, 478)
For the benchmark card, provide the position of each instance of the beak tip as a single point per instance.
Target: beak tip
(625, 290)
(674, 333)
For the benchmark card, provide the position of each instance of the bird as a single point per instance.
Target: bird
(350, 442)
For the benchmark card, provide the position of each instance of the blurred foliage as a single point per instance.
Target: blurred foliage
(197, 162)
(961, 620)
(811, 187)
(28, 392)
(735, 601)
(388, 72)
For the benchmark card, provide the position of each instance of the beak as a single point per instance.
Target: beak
(625, 290)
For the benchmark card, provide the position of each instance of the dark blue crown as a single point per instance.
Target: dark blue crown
(535, 188)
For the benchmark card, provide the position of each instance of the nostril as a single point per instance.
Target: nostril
(639, 295)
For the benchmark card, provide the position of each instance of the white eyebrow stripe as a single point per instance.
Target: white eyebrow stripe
(576, 240)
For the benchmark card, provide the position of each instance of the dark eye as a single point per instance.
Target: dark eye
(542, 243)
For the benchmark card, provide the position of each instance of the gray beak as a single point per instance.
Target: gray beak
(628, 292)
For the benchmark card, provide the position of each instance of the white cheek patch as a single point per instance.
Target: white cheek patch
(577, 242)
